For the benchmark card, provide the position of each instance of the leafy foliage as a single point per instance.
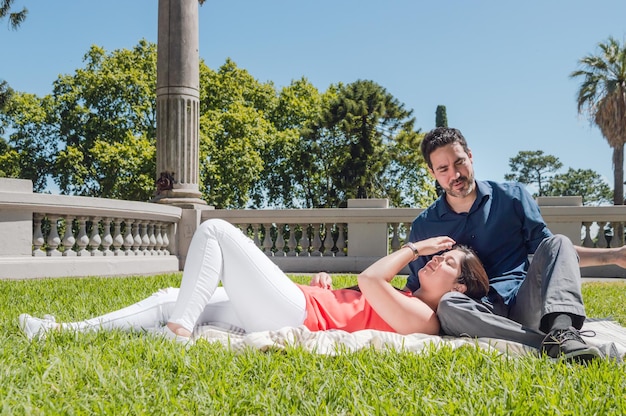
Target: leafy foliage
(297, 147)
(533, 168)
(108, 105)
(15, 17)
(602, 96)
(29, 150)
(441, 117)
(357, 132)
(580, 182)
(234, 131)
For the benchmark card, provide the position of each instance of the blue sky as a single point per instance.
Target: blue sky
(501, 68)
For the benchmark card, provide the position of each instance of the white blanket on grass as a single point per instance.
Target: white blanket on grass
(609, 336)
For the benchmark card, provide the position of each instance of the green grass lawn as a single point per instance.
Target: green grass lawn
(129, 373)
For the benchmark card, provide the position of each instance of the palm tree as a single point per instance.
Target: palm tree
(15, 18)
(602, 96)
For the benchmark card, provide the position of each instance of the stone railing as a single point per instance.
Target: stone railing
(51, 235)
(54, 235)
(325, 239)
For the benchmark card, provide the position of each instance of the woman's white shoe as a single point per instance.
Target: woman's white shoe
(35, 327)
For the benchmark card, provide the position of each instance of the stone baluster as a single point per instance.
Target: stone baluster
(395, 238)
(53, 241)
(145, 239)
(68, 238)
(166, 240)
(601, 236)
(137, 240)
(280, 241)
(304, 241)
(329, 240)
(83, 238)
(316, 243)
(129, 240)
(291, 242)
(38, 239)
(118, 238)
(255, 235)
(95, 239)
(616, 238)
(158, 240)
(341, 240)
(107, 238)
(151, 249)
(267, 240)
(587, 241)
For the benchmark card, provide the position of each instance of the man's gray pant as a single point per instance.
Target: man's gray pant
(552, 285)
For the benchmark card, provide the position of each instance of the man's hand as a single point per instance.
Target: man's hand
(323, 280)
(620, 256)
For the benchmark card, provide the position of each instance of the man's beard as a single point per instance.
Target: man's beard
(467, 189)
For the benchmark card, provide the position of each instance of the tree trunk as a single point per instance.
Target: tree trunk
(618, 191)
(618, 175)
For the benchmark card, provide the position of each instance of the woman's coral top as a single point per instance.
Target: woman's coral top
(344, 309)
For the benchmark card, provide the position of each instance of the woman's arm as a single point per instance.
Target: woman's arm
(404, 314)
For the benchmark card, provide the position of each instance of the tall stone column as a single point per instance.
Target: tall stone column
(178, 104)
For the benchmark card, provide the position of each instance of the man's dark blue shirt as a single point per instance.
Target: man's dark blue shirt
(503, 227)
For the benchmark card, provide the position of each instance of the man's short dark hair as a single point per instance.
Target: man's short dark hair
(439, 137)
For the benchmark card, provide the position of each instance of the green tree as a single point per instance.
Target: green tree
(410, 183)
(15, 20)
(358, 127)
(291, 172)
(533, 168)
(29, 150)
(234, 131)
(602, 97)
(104, 121)
(9, 161)
(15, 17)
(5, 95)
(580, 182)
(441, 118)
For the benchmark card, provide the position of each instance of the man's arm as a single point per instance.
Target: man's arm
(601, 256)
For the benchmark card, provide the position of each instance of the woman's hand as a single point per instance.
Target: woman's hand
(434, 245)
(323, 280)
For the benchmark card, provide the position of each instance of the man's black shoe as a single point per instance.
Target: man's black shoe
(569, 345)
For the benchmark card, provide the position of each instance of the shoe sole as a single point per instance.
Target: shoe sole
(582, 355)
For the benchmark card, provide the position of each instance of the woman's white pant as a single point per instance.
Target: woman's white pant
(256, 295)
(156, 310)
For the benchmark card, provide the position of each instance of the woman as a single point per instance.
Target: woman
(257, 296)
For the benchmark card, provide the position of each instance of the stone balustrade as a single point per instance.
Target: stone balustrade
(72, 235)
(53, 235)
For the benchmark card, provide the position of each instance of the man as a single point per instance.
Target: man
(537, 302)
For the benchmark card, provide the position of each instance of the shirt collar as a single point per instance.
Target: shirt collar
(483, 192)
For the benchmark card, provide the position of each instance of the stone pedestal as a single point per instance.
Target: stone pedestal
(368, 239)
(16, 226)
(572, 230)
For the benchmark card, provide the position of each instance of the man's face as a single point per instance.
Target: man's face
(453, 169)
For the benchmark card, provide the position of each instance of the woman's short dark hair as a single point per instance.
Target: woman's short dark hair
(473, 274)
(440, 137)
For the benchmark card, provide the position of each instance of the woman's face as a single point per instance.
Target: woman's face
(442, 271)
